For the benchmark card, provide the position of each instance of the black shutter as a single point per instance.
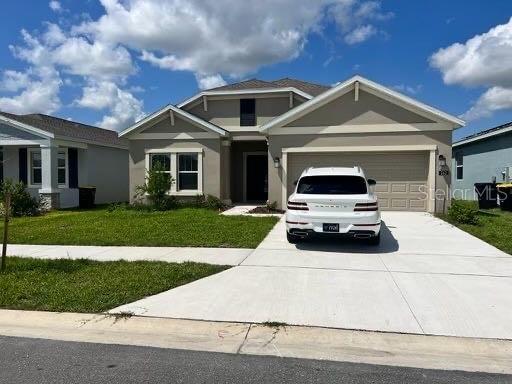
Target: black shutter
(22, 162)
(73, 167)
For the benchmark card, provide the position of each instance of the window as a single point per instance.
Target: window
(247, 112)
(332, 185)
(188, 171)
(35, 167)
(459, 165)
(62, 173)
(164, 159)
(184, 165)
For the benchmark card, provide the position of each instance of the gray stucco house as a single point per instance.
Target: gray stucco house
(54, 157)
(249, 141)
(483, 157)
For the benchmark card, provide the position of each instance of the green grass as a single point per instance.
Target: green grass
(90, 286)
(494, 227)
(194, 227)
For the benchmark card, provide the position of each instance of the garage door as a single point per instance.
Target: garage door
(401, 176)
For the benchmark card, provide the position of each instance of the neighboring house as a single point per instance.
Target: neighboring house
(54, 157)
(249, 141)
(481, 158)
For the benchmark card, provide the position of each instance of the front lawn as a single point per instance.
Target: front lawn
(494, 227)
(194, 227)
(90, 286)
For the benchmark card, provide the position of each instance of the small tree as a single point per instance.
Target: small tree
(158, 183)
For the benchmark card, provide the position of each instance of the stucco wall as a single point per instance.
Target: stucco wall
(482, 160)
(211, 161)
(108, 171)
(226, 112)
(277, 142)
(369, 109)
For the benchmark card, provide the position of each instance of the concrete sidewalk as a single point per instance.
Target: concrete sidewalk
(427, 277)
(219, 256)
(432, 352)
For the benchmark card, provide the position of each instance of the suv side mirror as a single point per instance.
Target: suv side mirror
(371, 182)
(296, 182)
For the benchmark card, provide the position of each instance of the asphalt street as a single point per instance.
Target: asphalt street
(24, 360)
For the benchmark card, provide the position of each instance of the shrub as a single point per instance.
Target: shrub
(463, 212)
(156, 188)
(271, 206)
(208, 202)
(22, 204)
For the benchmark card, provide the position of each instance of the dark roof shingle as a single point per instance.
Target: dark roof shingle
(67, 128)
(304, 86)
(485, 131)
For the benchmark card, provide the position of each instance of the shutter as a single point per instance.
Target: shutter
(22, 162)
(73, 167)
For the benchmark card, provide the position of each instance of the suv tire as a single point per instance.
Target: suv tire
(292, 239)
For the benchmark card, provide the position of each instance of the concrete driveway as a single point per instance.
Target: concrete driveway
(426, 277)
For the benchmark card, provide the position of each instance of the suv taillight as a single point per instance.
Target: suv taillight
(366, 207)
(294, 205)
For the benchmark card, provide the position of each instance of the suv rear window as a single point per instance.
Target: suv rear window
(332, 185)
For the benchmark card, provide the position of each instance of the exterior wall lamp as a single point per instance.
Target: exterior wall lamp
(277, 162)
(443, 168)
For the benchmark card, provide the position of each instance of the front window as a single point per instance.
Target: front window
(459, 165)
(62, 175)
(36, 167)
(332, 185)
(247, 112)
(164, 159)
(188, 171)
(36, 173)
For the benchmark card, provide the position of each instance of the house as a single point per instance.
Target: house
(483, 157)
(249, 141)
(54, 157)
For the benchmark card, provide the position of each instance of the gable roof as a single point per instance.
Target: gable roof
(491, 132)
(302, 88)
(312, 89)
(180, 112)
(366, 85)
(67, 129)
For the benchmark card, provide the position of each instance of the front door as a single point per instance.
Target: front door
(256, 176)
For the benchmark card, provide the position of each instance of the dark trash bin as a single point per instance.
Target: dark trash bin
(86, 197)
(505, 196)
(487, 194)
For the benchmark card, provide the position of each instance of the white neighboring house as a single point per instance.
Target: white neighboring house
(54, 157)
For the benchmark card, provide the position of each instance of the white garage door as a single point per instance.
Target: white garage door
(401, 176)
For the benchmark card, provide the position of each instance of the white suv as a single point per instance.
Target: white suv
(333, 201)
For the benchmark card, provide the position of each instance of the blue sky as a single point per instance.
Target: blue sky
(109, 62)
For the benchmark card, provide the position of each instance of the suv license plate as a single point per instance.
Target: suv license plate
(331, 227)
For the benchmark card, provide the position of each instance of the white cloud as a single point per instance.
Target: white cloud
(484, 60)
(210, 38)
(211, 81)
(13, 81)
(124, 108)
(360, 34)
(37, 96)
(55, 6)
(494, 99)
(412, 89)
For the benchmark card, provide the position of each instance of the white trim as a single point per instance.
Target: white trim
(457, 165)
(175, 136)
(290, 100)
(248, 138)
(370, 148)
(245, 92)
(238, 128)
(244, 170)
(483, 136)
(367, 85)
(174, 172)
(22, 143)
(66, 143)
(174, 150)
(29, 168)
(171, 115)
(184, 114)
(26, 128)
(366, 148)
(362, 128)
(30, 184)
